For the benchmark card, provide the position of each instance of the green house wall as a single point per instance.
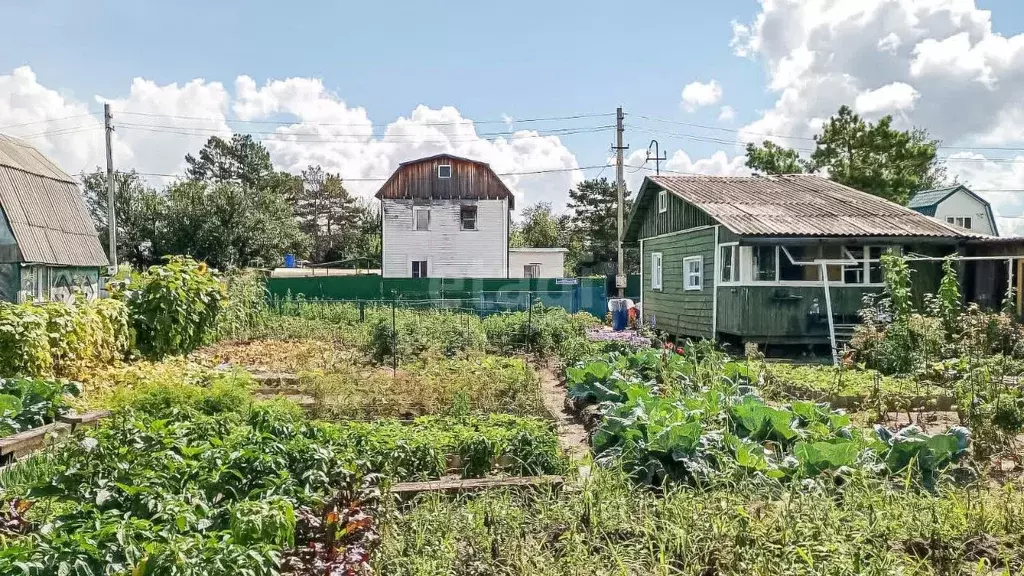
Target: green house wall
(680, 215)
(782, 314)
(675, 310)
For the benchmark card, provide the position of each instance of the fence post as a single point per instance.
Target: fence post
(362, 311)
(529, 319)
(394, 337)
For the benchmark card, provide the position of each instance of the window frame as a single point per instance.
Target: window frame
(657, 281)
(662, 201)
(462, 217)
(415, 218)
(422, 264)
(735, 276)
(442, 176)
(536, 265)
(699, 273)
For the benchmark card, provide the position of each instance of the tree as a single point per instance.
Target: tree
(241, 160)
(326, 212)
(137, 208)
(595, 212)
(873, 157)
(539, 228)
(774, 159)
(228, 224)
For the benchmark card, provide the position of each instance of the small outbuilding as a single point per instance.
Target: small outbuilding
(49, 248)
(958, 206)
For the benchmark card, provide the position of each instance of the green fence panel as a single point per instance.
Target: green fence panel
(484, 295)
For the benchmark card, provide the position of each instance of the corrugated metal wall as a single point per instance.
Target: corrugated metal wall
(486, 294)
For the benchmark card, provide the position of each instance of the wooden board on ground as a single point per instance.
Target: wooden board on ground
(31, 440)
(87, 418)
(460, 486)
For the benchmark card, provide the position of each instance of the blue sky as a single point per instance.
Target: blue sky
(946, 65)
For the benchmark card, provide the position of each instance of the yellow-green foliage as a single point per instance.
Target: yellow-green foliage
(174, 381)
(61, 339)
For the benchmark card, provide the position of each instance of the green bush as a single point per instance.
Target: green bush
(412, 334)
(541, 330)
(62, 339)
(174, 309)
(245, 311)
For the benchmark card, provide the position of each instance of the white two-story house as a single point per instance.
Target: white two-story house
(445, 217)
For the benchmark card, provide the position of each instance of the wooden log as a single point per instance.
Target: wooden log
(460, 486)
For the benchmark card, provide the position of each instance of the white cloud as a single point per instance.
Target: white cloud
(727, 114)
(156, 125)
(680, 162)
(697, 94)
(821, 54)
(889, 98)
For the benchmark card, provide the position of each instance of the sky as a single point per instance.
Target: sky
(530, 87)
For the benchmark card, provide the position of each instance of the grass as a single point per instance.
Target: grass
(609, 527)
(844, 384)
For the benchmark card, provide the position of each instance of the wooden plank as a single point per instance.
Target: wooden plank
(85, 418)
(460, 486)
(31, 439)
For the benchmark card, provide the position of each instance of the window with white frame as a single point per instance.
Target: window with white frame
(467, 217)
(420, 218)
(419, 268)
(766, 259)
(662, 201)
(964, 222)
(444, 171)
(693, 273)
(656, 271)
(729, 270)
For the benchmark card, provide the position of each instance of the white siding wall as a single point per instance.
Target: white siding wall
(961, 205)
(450, 252)
(552, 263)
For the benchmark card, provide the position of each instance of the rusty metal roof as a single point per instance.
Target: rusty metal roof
(45, 210)
(800, 205)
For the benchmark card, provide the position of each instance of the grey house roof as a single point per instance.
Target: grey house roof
(45, 210)
(795, 205)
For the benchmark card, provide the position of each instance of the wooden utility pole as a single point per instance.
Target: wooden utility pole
(111, 195)
(620, 185)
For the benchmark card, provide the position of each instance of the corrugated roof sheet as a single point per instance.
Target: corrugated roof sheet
(928, 198)
(45, 210)
(800, 205)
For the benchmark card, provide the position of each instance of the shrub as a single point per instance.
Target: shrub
(245, 312)
(63, 339)
(541, 330)
(174, 310)
(413, 334)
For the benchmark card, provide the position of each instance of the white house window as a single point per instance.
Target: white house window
(729, 270)
(419, 268)
(444, 171)
(693, 271)
(420, 218)
(662, 201)
(531, 270)
(766, 263)
(656, 271)
(467, 216)
(964, 222)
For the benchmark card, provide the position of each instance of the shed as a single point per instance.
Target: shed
(749, 258)
(536, 262)
(48, 245)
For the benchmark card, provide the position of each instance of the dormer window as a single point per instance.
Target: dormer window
(444, 171)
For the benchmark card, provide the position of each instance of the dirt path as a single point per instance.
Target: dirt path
(571, 434)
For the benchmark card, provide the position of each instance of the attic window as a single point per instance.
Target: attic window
(444, 171)
(662, 201)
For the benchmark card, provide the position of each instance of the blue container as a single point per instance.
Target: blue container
(289, 260)
(620, 319)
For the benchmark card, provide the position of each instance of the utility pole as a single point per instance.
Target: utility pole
(111, 195)
(620, 185)
(657, 157)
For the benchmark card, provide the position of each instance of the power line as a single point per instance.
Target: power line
(47, 121)
(383, 178)
(455, 123)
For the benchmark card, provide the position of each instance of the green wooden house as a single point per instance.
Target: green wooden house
(748, 259)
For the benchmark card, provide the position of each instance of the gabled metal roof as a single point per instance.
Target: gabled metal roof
(45, 210)
(795, 205)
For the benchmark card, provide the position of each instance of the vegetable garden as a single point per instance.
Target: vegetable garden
(251, 439)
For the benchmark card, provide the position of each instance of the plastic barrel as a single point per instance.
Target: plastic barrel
(620, 314)
(289, 260)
